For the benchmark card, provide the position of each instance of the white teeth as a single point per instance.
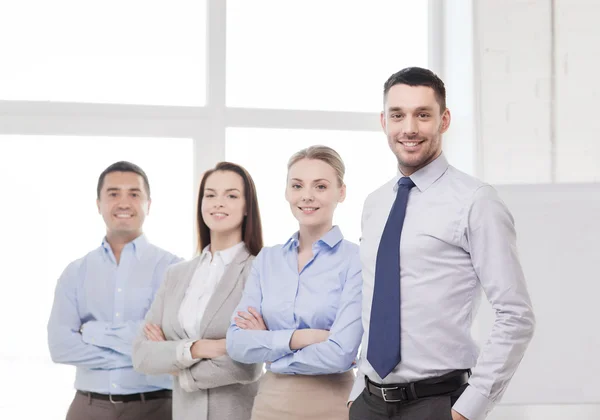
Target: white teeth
(123, 216)
(308, 208)
(219, 214)
(411, 143)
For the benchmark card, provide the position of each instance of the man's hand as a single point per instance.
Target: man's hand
(154, 333)
(250, 320)
(457, 416)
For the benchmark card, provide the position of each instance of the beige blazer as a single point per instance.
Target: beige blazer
(225, 389)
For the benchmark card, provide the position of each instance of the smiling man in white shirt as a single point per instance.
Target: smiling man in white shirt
(432, 238)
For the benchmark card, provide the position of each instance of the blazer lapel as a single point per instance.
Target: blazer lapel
(224, 289)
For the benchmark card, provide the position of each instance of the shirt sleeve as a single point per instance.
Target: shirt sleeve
(116, 337)
(65, 343)
(247, 346)
(490, 238)
(338, 352)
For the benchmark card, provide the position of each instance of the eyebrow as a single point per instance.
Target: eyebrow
(420, 108)
(227, 190)
(119, 189)
(316, 180)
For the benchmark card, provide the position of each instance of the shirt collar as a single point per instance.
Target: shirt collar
(226, 255)
(330, 239)
(139, 244)
(427, 175)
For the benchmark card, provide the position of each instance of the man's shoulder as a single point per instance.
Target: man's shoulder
(385, 190)
(467, 187)
(159, 254)
(77, 267)
(464, 180)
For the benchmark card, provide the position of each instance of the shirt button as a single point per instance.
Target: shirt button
(117, 314)
(119, 290)
(114, 385)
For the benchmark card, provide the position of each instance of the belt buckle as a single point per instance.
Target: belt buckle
(402, 393)
(113, 401)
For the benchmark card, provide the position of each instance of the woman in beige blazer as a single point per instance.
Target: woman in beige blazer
(187, 322)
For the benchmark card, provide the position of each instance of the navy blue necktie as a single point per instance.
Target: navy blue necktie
(384, 329)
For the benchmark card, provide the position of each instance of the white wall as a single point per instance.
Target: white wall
(577, 62)
(533, 94)
(513, 55)
(536, 65)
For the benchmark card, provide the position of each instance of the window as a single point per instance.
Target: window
(111, 51)
(320, 55)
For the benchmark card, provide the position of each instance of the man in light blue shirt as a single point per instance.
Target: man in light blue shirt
(100, 304)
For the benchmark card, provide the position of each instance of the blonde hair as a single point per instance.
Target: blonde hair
(322, 153)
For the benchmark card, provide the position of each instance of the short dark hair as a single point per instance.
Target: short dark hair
(417, 76)
(123, 166)
(251, 225)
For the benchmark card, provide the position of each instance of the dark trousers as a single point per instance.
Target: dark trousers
(372, 407)
(86, 408)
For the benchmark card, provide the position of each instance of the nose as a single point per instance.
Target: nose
(307, 197)
(410, 127)
(124, 202)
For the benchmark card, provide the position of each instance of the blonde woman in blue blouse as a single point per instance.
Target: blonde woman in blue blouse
(301, 308)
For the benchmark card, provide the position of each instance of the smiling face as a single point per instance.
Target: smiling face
(123, 204)
(313, 192)
(414, 124)
(223, 202)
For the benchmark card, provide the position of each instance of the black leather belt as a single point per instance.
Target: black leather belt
(143, 396)
(421, 389)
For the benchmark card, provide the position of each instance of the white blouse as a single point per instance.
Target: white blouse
(207, 276)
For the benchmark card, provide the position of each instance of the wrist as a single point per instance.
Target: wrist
(195, 349)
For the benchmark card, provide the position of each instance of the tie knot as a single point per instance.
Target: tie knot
(406, 182)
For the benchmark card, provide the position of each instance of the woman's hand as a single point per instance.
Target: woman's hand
(307, 337)
(250, 320)
(154, 333)
(208, 349)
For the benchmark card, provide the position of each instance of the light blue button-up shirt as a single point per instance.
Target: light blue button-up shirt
(325, 295)
(110, 301)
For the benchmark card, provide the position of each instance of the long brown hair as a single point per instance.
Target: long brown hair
(251, 225)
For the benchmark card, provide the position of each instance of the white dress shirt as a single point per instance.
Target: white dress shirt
(458, 237)
(209, 272)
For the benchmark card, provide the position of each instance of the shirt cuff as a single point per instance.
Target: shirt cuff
(280, 365)
(186, 380)
(280, 346)
(92, 331)
(184, 354)
(473, 405)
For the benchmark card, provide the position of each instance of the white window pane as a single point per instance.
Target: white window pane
(149, 52)
(369, 164)
(49, 218)
(320, 55)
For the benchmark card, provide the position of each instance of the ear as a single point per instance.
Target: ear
(149, 203)
(383, 122)
(446, 118)
(342, 194)
(98, 205)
